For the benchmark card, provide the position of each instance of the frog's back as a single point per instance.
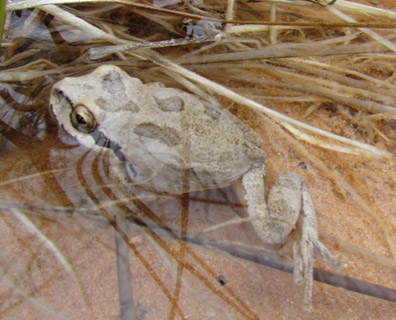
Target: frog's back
(214, 148)
(159, 135)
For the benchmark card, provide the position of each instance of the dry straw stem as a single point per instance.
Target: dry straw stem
(327, 87)
(301, 130)
(37, 303)
(388, 44)
(354, 7)
(46, 243)
(355, 147)
(25, 4)
(30, 177)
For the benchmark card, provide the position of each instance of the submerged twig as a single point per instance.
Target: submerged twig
(47, 243)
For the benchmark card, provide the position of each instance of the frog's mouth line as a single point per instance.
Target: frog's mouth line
(102, 141)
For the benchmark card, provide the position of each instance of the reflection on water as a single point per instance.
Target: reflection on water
(77, 202)
(181, 265)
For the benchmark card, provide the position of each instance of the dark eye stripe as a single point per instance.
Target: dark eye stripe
(102, 141)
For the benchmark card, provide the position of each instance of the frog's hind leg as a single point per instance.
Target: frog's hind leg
(289, 207)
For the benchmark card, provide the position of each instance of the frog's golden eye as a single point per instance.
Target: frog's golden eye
(82, 119)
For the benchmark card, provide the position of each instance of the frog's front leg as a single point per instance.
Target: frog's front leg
(289, 206)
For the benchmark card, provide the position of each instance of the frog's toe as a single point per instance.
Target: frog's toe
(325, 253)
(303, 256)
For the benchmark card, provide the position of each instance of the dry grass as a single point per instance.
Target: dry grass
(319, 76)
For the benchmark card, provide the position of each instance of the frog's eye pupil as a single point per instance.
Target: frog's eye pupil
(82, 119)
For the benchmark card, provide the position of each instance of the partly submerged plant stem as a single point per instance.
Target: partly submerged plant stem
(2, 16)
(381, 25)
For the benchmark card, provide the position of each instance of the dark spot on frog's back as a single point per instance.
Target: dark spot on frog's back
(112, 76)
(87, 87)
(170, 104)
(212, 111)
(118, 105)
(166, 135)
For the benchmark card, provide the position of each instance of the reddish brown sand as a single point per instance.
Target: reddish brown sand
(175, 280)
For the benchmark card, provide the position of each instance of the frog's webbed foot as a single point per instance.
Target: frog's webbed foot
(289, 204)
(308, 245)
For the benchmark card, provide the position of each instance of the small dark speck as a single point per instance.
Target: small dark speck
(140, 311)
(222, 280)
(302, 165)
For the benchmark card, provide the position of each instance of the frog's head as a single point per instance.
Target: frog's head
(86, 105)
(76, 115)
(95, 108)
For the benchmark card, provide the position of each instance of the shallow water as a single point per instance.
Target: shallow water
(178, 270)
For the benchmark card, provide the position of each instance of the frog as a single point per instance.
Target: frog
(173, 142)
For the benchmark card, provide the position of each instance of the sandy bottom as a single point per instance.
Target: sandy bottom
(176, 279)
